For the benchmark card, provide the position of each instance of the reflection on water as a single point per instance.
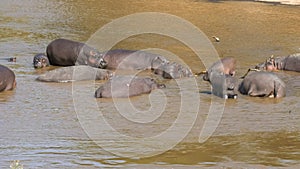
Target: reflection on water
(39, 125)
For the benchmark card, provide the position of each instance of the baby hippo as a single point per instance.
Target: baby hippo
(225, 65)
(173, 71)
(262, 84)
(127, 86)
(75, 73)
(40, 60)
(291, 63)
(7, 79)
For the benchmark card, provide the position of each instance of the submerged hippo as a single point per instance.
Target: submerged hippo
(63, 52)
(40, 60)
(291, 63)
(126, 86)
(7, 79)
(173, 71)
(262, 84)
(82, 72)
(225, 65)
(223, 85)
(132, 60)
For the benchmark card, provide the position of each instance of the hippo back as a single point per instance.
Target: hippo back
(292, 62)
(262, 84)
(126, 86)
(7, 79)
(132, 60)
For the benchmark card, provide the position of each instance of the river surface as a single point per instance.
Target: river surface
(41, 126)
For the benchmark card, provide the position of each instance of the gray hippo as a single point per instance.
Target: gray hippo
(83, 72)
(291, 63)
(220, 75)
(40, 60)
(173, 71)
(223, 85)
(225, 65)
(63, 52)
(262, 84)
(132, 60)
(127, 86)
(7, 79)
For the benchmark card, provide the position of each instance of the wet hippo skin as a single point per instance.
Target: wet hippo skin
(40, 60)
(7, 79)
(291, 63)
(173, 71)
(225, 65)
(63, 52)
(127, 86)
(132, 59)
(82, 72)
(262, 84)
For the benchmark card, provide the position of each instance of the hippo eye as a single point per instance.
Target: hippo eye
(93, 53)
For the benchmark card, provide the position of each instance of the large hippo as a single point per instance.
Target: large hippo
(63, 52)
(132, 59)
(40, 60)
(126, 86)
(173, 71)
(225, 65)
(262, 84)
(82, 72)
(7, 79)
(291, 63)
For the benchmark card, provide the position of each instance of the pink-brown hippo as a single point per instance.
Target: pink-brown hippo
(7, 79)
(291, 63)
(225, 65)
(127, 86)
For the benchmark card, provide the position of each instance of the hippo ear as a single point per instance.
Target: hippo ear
(157, 61)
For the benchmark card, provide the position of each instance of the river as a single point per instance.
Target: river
(42, 127)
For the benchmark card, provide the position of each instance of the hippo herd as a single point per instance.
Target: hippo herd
(90, 64)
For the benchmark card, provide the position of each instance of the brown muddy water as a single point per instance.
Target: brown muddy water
(41, 127)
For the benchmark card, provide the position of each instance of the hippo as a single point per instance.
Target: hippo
(7, 79)
(225, 65)
(132, 59)
(10, 59)
(173, 71)
(83, 72)
(127, 86)
(63, 52)
(40, 60)
(262, 84)
(291, 63)
(223, 85)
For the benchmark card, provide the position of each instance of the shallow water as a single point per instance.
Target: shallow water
(41, 127)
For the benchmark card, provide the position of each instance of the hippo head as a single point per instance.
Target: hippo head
(269, 65)
(153, 84)
(92, 57)
(40, 60)
(173, 71)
